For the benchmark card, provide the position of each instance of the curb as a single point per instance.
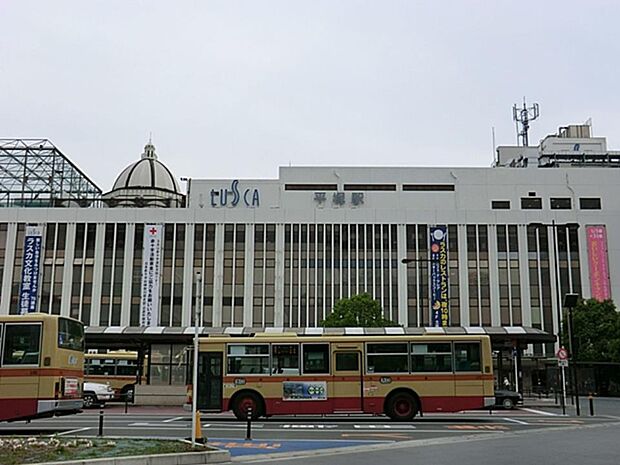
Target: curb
(184, 458)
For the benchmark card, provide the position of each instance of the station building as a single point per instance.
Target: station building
(134, 263)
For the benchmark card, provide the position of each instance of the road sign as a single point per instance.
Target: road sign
(562, 354)
(562, 363)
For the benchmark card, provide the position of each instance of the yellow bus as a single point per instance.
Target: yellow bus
(41, 366)
(118, 369)
(396, 375)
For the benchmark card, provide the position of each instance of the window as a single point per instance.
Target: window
(370, 187)
(311, 187)
(531, 203)
(22, 344)
(431, 357)
(347, 361)
(248, 359)
(467, 356)
(316, 358)
(167, 364)
(70, 335)
(127, 367)
(285, 359)
(500, 204)
(560, 203)
(101, 367)
(592, 203)
(387, 358)
(429, 187)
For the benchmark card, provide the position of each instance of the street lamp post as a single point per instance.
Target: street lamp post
(195, 419)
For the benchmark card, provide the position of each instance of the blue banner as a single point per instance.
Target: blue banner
(439, 276)
(29, 288)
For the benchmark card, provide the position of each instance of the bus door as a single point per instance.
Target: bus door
(347, 382)
(468, 374)
(210, 379)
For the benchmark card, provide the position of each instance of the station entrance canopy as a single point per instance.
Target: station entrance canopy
(129, 337)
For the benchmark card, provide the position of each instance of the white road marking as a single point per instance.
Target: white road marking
(311, 426)
(170, 420)
(540, 412)
(514, 420)
(400, 427)
(73, 431)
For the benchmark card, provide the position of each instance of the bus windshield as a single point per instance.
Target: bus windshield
(70, 335)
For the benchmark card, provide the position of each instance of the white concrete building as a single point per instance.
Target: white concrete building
(281, 252)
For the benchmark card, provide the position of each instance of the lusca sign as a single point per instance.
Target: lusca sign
(562, 355)
(234, 196)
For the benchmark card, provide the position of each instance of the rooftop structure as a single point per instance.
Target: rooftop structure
(35, 173)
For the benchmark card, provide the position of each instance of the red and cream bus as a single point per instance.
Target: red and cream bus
(41, 366)
(396, 375)
(118, 369)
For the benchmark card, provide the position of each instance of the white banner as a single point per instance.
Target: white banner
(151, 270)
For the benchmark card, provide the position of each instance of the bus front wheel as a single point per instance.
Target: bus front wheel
(244, 402)
(402, 406)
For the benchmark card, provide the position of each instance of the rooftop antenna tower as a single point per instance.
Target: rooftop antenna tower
(523, 117)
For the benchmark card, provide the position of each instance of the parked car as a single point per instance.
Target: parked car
(507, 399)
(96, 394)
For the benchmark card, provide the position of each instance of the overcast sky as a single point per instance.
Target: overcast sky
(235, 89)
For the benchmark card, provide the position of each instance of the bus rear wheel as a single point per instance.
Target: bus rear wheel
(244, 402)
(401, 406)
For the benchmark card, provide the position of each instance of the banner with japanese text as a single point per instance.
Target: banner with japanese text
(440, 315)
(151, 271)
(598, 262)
(29, 287)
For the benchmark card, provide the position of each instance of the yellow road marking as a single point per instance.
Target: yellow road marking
(478, 427)
(377, 435)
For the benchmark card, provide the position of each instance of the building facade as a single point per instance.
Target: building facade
(538, 224)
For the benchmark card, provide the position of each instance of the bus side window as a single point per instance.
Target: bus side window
(316, 358)
(21, 344)
(285, 359)
(467, 356)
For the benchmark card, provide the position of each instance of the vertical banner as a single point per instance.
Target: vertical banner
(151, 270)
(598, 263)
(439, 276)
(29, 287)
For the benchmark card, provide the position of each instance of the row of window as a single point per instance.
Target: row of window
(387, 357)
(555, 203)
(370, 187)
(110, 367)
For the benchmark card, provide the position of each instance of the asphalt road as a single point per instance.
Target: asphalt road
(298, 435)
(590, 445)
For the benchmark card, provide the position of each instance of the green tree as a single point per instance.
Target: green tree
(358, 311)
(596, 331)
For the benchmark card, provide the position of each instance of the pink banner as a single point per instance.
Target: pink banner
(599, 266)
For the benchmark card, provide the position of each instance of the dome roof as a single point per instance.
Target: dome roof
(147, 173)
